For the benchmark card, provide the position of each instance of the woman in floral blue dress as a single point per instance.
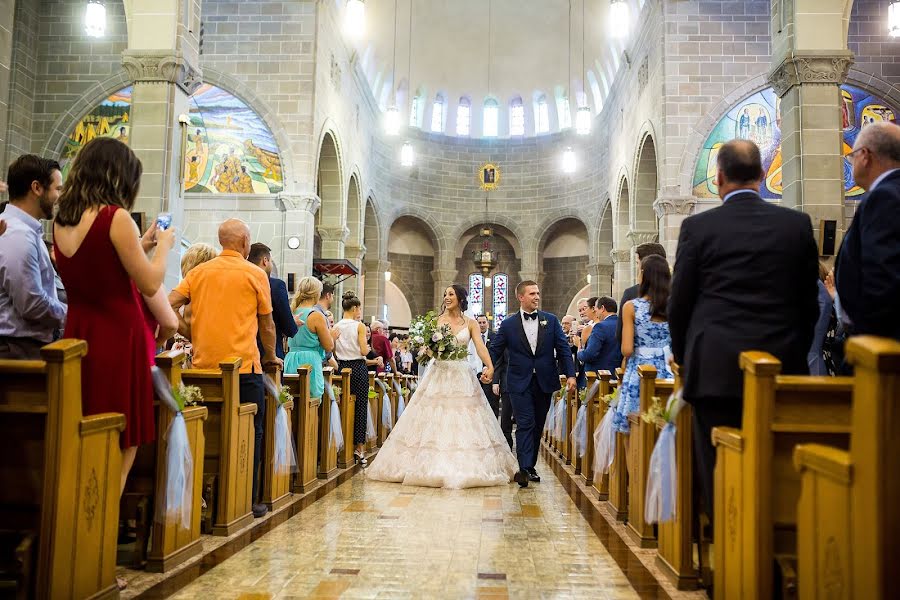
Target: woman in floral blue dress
(645, 336)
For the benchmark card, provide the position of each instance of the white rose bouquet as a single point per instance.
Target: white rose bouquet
(428, 339)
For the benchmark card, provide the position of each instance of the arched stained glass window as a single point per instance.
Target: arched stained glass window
(437, 115)
(516, 117)
(491, 118)
(476, 293)
(501, 293)
(542, 116)
(463, 116)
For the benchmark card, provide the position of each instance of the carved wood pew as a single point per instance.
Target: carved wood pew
(848, 527)
(584, 464)
(756, 486)
(618, 472)
(276, 486)
(60, 474)
(328, 451)
(675, 544)
(347, 402)
(172, 543)
(305, 425)
(558, 442)
(228, 454)
(596, 412)
(642, 439)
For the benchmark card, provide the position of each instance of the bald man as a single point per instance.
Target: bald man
(231, 303)
(868, 265)
(746, 278)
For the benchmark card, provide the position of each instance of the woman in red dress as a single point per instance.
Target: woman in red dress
(104, 266)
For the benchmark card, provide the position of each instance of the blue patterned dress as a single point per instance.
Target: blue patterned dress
(651, 347)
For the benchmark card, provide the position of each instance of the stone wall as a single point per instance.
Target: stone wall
(412, 274)
(563, 277)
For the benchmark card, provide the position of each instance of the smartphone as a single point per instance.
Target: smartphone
(164, 220)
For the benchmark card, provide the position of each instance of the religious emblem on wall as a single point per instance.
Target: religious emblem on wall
(489, 177)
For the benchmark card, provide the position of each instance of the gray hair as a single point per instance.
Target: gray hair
(883, 139)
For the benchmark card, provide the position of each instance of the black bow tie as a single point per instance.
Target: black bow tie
(530, 315)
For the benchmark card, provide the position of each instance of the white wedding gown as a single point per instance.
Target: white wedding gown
(448, 436)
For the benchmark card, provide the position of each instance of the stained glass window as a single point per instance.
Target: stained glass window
(516, 117)
(476, 293)
(500, 296)
(565, 116)
(437, 115)
(463, 116)
(542, 116)
(491, 118)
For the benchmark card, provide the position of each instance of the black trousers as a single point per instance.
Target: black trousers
(492, 399)
(709, 413)
(506, 417)
(253, 392)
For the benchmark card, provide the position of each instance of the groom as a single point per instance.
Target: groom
(533, 341)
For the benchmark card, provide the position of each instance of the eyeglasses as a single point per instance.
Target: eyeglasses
(850, 155)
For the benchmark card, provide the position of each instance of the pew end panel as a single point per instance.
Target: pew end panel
(276, 490)
(347, 403)
(305, 422)
(327, 452)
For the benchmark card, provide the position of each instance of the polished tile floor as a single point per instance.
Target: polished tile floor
(368, 539)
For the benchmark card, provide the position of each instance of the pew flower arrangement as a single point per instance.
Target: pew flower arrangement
(284, 396)
(428, 338)
(285, 457)
(187, 395)
(657, 414)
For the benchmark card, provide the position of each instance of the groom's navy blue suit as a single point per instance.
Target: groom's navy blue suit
(531, 377)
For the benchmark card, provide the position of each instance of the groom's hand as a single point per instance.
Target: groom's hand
(570, 384)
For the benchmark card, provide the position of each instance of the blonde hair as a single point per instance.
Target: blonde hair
(308, 289)
(196, 255)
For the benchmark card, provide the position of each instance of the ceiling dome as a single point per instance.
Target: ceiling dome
(527, 61)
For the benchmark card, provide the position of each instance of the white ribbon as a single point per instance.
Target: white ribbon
(336, 435)
(401, 403)
(387, 416)
(284, 459)
(605, 442)
(580, 432)
(175, 501)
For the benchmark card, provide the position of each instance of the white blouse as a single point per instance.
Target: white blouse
(346, 347)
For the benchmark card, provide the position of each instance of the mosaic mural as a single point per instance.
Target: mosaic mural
(110, 118)
(229, 149)
(757, 118)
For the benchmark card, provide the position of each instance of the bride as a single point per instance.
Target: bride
(448, 436)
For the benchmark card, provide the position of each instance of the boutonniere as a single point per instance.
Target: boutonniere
(543, 322)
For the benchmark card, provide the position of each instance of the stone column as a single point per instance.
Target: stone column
(374, 293)
(671, 211)
(623, 270)
(443, 277)
(299, 221)
(601, 278)
(355, 255)
(333, 241)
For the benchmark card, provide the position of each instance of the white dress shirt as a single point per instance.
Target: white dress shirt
(474, 359)
(531, 329)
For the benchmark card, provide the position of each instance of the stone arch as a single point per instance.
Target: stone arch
(605, 240)
(476, 219)
(547, 225)
(565, 272)
(413, 259)
(373, 232)
(330, 220)
(646, 184)
(623, 204)
(399, 309)
(355, 216)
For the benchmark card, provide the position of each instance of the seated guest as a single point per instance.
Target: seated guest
(232, 304)
(285, 327)
(313, 339)
(30, 310)
(602, 352)
(868, 266)
(745, 279)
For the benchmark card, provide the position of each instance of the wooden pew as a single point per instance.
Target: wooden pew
(585, 464)
(305, 425)
(347, 402)
(228, 454)
(558, 442)
(599, 482)
(642, 440)
(618, 472)
(848, 527)
(574, 403)
(383, 432)
(675, 555)
(372, 445)
(60, 474)
(328, 452)
(756, 486)
(276, 486)
(172, 543)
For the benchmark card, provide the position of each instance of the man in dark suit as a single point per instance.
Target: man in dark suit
(492, 398)
(285, 327)
(641, 252)
(603, 352)
(532, 340)
(501, 389)
(745, 279)
(868, 265)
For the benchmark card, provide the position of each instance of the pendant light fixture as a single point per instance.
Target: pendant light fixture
(355, 19)
(95, 19)
(894, 18)
(392, 114)
(619, 18)
(583, 116)
(407, 154)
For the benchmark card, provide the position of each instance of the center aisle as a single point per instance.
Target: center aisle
(368, 539)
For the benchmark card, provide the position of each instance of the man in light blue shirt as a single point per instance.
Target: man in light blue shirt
(30, 311)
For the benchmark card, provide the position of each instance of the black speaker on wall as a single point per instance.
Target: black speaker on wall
(290, 283)
(827, 237)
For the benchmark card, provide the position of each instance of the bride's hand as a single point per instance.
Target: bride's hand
(487, 376)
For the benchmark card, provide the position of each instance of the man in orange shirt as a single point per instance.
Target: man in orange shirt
(231, 303)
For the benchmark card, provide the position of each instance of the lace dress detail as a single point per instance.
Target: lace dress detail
(448, 436)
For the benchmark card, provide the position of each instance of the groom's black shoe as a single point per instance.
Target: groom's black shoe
(521, 478)
(533, 475)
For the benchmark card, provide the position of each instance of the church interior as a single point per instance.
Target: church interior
(393, 148)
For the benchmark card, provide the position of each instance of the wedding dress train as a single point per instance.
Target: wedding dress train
(448, 436)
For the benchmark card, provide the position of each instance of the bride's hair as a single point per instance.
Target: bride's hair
(462, 296)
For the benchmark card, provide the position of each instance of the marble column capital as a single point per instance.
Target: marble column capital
(300, 202)
(162, 66)
(602, 270)
(377, 266)
(637, 237)
(334, 234)
(674, 205)
(440, 275)
(620, 256)
(811, 68)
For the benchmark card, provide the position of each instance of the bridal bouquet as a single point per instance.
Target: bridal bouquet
(428, 339)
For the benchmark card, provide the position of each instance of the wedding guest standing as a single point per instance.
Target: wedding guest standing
(285, 326)
(602, 352)
(104, 264)
(351, 349)
(313, 339)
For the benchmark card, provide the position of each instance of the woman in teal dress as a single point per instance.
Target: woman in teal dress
(313, 338)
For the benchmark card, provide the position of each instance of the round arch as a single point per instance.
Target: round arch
(373, 233)
(646, 178)
(623, 204)
(605, 230)
(430, 228)
(354, 216)
(329, 185)
(399, 311)
(474, 220)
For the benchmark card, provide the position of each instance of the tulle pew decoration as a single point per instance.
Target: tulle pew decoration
(580, 431)
(284, 457)
(371, 432)
(336, 435)
(559, 417)
(387, 416)
(662, 478)
(401, 403)
(176, 500)
(605, 437)
(550, 422)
